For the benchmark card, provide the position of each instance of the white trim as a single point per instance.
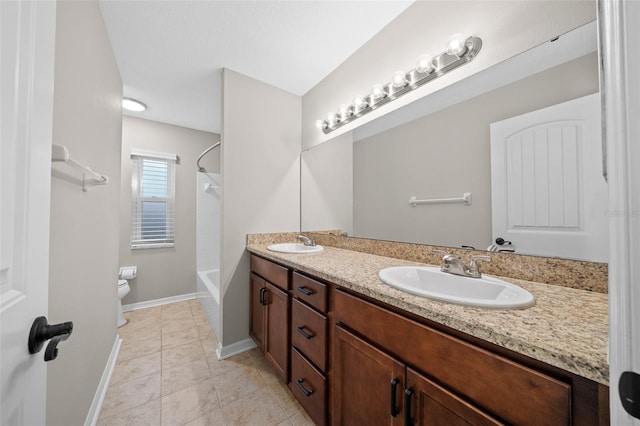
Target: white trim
(224, 352)
(619, 35)
(101, 391)
(158, 302)
(153, 154)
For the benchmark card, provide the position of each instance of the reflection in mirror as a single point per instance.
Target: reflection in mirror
(361, 182)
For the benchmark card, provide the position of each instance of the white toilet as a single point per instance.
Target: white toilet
(123, 290)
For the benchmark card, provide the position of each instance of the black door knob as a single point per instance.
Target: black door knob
(41, 331)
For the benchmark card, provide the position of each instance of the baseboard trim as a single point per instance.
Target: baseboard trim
(101, 391)
(224, 352)
(158, 302)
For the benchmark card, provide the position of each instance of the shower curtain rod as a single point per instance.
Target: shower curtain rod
(200, 168)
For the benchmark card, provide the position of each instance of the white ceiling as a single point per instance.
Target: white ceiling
(171, 53)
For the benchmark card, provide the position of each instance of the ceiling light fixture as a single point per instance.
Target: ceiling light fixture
(133, 105)
(459, 51)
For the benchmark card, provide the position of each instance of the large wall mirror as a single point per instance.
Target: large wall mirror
(538, 184)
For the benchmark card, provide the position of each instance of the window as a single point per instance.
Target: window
(153, 200)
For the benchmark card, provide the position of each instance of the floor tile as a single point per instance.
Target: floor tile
(301, 419)
(180, 338)
(176, 311)
(136, 367)
(137, 348)
(200, 319)
(173, 325)
(238, 383)
(138, 314)
(209, 345)
(140, 332)
(257, 408)
(285, 398)
(204, 331)
(217, 367)
(189, 404)
(268, 373)
(132, 393)
(145, 414)
(183, 376)
(184, 354)
(214, 418)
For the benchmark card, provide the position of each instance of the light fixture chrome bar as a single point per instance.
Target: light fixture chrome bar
(442, 64)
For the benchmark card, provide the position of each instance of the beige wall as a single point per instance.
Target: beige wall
(84, 225)
(164, 272)
(446, 154)
(261, 189)
(506, 28)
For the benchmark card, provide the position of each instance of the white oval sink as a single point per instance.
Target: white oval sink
(294, 248)
(433, 283)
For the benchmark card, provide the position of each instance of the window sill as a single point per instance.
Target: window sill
(152, 246)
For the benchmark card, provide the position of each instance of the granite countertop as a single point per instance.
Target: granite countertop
(566, 328)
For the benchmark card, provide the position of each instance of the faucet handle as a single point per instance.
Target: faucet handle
(473, 266)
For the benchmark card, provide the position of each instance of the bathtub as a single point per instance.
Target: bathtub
(208, 291)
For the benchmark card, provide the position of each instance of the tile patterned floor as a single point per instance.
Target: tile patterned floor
(168, 374)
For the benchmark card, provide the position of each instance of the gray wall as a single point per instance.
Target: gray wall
(326, 176)
(506, 28)
(261, 188)
(84, 225)
(446, 154)
(164, 272)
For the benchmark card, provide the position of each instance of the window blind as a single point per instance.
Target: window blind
(153, 202)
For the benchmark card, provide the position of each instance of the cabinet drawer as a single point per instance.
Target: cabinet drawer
(311, 291)
(309, 333)
(270, 271)
(510, 390)
(309, 387)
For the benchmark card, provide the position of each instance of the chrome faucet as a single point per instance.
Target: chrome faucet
(452, 264)
(307, 241)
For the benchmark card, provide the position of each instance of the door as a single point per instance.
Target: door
(277, 344)
(547, 190)
(431, 404)
(368, 383)
(257, 311)
(27, 57)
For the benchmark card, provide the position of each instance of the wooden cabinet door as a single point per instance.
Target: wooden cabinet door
(432, 405)
(257, 310)
(276, 348)
(362, 383)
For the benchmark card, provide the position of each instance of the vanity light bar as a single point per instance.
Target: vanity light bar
(459, 52)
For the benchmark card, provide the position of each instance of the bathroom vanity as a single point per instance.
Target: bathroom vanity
(355, 351)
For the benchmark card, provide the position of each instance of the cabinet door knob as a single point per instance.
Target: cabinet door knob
(307, 292)
(304, 390)
(262, 298)
(395, 410)
(408, 421)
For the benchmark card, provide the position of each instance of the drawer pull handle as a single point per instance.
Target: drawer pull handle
(394, 408)
(304, 333)
(408, 421)
(304, 390)
(307, 292)
(262, 299)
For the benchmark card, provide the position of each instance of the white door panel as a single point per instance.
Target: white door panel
(27, 57)
(548, 194)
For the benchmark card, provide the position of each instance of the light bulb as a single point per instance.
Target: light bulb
(378, 92)
(359, 103)
(399, 79)
(456, 45)
(345, 111)
(321, 124)
(424, 64)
